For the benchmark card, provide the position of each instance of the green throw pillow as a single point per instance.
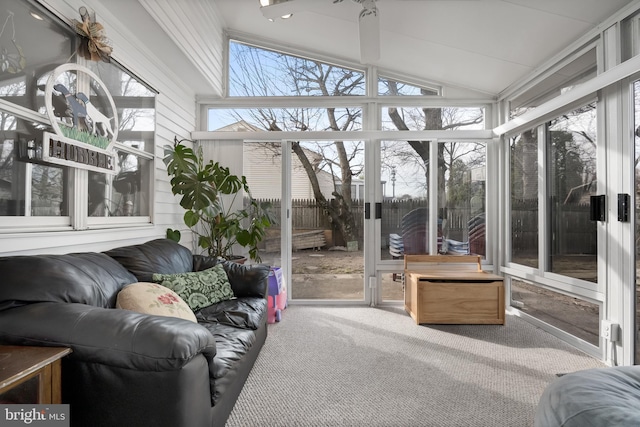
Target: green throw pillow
(198, 289)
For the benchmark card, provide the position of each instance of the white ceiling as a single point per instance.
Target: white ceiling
(485, 45)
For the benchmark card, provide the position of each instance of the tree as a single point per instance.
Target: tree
(259, 72)
(307, 77)
(524, 166)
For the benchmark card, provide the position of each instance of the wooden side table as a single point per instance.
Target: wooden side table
(30, 374)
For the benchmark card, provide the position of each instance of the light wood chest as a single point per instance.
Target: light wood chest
(441, 290)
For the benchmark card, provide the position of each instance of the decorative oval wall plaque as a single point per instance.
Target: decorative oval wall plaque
(84, 117)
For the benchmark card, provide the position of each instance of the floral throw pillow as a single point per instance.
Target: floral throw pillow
(151, 298)
(198, 289)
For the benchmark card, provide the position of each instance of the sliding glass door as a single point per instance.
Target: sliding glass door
(427, 210)
(327, 220)
(315, 193)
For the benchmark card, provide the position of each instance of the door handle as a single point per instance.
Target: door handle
(598, 208)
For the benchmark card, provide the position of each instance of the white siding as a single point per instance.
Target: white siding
(196, 27)
(263, 169)
(175, 108)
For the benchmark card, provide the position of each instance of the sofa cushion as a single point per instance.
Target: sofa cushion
(86, 278)
(199, 288)
(151, 298)
(246, 313)
(232, 345)
(156, 256)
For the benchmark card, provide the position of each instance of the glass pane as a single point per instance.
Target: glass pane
(135, 105)
(127, 192)
(461, 198)
(416, 118)
(404, 225)
(524, 198)
(255, 71)
(24, 392)
(577, 71)
(391, 87)
(262, 166)
(123, 194)
(285, 119)
(571, 150)
(32, 43)
(327, 258)
(573, 315)
(48, 190)
(630, 33)
(327, 219)
(21, 173)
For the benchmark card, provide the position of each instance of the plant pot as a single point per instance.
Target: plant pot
(238, 259)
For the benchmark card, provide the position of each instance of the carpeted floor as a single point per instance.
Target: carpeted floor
(362, 366)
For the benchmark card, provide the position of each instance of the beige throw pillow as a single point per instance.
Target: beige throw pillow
(152, 298)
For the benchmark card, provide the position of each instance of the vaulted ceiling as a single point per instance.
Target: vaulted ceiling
(484, 45)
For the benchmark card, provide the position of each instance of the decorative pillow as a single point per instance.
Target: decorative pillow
(151, 298)
(199, 288)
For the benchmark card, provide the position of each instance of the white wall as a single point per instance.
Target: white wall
(140, 46)
(263, 169)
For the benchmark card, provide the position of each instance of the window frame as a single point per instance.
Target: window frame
(77, 181)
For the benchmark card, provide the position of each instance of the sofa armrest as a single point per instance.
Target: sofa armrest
(246, 280)
(115, 337)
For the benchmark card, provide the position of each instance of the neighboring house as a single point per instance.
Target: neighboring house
(262, 166)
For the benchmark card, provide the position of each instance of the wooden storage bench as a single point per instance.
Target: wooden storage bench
(448, 289)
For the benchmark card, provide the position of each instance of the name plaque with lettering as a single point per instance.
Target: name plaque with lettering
(65, 151)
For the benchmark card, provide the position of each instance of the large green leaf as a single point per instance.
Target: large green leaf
(180, 159)
(191, 218)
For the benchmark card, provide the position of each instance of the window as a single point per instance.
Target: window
(34, 44)
(524, 198)
(255, 71)
(570, 175)
(576, 71)
(392, 87)
(576, 316)
(461, 197)
(28, 188)
(571, 180)
(128, 192)
(630, 36)
(285, 119)
(445, 118)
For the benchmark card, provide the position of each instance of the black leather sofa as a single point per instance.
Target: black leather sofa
(128, 368)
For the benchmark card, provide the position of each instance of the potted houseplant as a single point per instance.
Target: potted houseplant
(208, 193)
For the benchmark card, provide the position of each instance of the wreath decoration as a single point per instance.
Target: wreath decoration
(94, 44)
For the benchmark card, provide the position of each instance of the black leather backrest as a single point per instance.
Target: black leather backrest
(156, 256)
(86, 278)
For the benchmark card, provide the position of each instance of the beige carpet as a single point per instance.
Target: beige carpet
(361, 366)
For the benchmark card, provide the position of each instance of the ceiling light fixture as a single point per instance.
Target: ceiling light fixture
(271, 3)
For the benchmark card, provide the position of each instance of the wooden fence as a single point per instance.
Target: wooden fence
(575, 234)
(306, 214)
(573, 231)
